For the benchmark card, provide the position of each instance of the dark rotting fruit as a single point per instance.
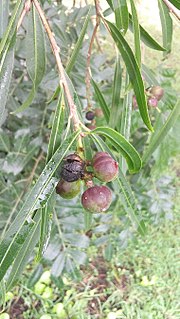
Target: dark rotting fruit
(105, 167)
(68, 190)
(73, 168)
(96, 199)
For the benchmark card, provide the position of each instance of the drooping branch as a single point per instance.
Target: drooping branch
(56, 50)
(27, 7)
(88, 69)
(172, 9)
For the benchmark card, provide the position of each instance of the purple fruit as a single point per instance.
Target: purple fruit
(100, 154)
(96, 199)
(99, 112)
(152, 102)
(157, 92)
(105, 167)
(68, 190)
(90, 115)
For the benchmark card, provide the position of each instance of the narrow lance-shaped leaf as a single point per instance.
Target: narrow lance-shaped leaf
(78, 45)
(4, 15)
(133, 71)
(167, 26)
(2, 295)
(25, 253)
(136, 32)
(35, 55)
(176, 3)
(54, 142)
(146, 38)
(116, 93)
(57, 127)
(6, 68)
(123, 146)
(158, 137)
(101, 101)
(11, 29)
(126, 116)
(38, 196)
(121, 15)
(124, 191)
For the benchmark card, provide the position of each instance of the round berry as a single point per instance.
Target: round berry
(96, 199)
(99, 112)
(152, 102)
(91, 127)
(68, 190)
(157, 92)
(99, 155)
(105, 167)
(90, 115)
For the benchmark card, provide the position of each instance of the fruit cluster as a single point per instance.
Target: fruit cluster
(96, 198)
(154, 95)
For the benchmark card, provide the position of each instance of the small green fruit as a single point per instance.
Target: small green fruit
(45, 277)
(68, 190)
(4, 316)
(45, 317)
(39, 288)
(48, 292)
(9, 296)
(59, 310)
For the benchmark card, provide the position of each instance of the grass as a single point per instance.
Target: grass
(140, 282)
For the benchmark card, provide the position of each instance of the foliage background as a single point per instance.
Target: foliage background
(24, 141)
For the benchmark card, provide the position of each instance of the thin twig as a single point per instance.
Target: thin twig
(27, 7)
(172, 9)
(88, 68)
(56, 50)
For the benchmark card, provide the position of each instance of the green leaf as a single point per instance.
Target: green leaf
(4, 15)
(116, 102)
(4, 142)
(133, 71)
(57, 127)
(146, 37)
(24, 253)
(35, 55)
(158, 137)
(167, 26)
(176, 3)
(37, 197)
(121, 15)
(6, 68)
(2, 296)
(46, 225)
(101, 101)
(136, 32)
(78, 45)
(126, 112)
(124, 191)
(149, 76)
(11, 29)
(123, 146)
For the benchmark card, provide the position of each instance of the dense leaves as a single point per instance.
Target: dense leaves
(38, 132)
